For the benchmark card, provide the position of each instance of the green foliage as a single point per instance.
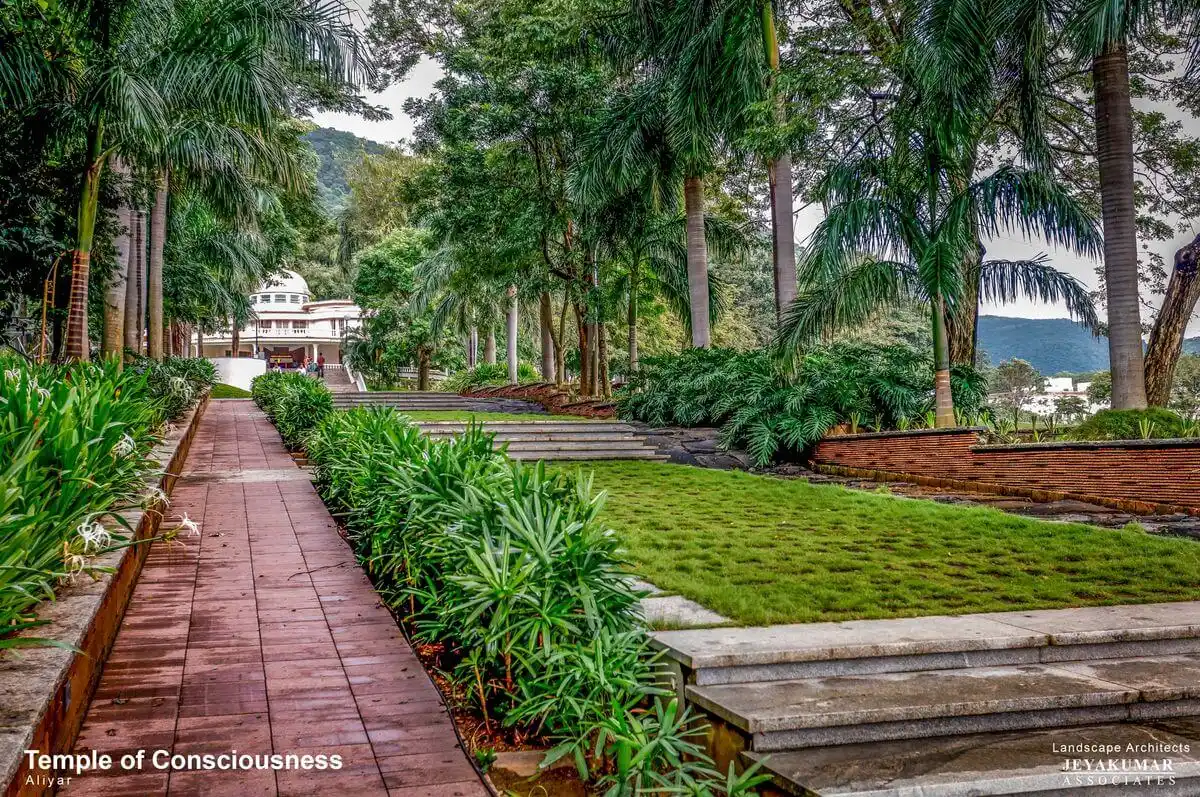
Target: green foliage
(768, 409)
(177, 381)
(223, 391)
(508, 568)
(294, 401)
(1153, 423)
(486, 375)
(76, 446)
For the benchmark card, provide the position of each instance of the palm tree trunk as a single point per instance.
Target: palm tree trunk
(603, 381)
(560, 359)
(511, 342)
(546, 324)
(235, 339)
(779, 177)
(113, 341)
(943, 397)
(962, 325)
(140, 277)
(1166, 339)
(1114, 150)
(632, 319)
(489, 347)
(697, 262)
(131, 281)
(78, 345)
(154, 286)
(585, 382)
(423, 368)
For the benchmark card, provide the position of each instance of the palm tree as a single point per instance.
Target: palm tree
(236, 60)
(1100, 32)
(897, 229)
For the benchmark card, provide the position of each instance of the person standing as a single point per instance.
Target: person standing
(321, 365)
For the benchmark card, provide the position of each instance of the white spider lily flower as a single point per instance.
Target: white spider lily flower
(155, 496)
(190, 526)
(125, 446)
(13, 374)
(95, 537)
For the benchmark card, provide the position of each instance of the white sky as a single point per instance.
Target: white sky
(420, 84)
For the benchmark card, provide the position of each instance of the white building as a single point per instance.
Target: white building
(289, 327)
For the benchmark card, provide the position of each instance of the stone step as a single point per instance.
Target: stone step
(533, 437)
(863, 647)
(527, 427)
(1159, 757)
(817, 712)
(575, 445)
(595, 453)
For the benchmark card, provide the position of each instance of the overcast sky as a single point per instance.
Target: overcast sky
(420, 84)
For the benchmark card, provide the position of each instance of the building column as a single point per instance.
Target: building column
(314, 352)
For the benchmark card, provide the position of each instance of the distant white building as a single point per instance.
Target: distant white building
(1056, 388)
(288, 327)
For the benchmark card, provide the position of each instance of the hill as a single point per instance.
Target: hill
(1191, 346)
(336, 151)
(1051, 345)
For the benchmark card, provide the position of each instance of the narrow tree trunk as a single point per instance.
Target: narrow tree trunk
(962, 324)
(489, 347)
(423, 360)
(779, 178)
(235, 339)
(943, 397)
(168, 342)
(1166, 339)
(585, 382)
(131, 282)
(632, 320)
(603, 379)
(511, 342)
(140, 277)
(199, 341)
(1114, 149)
(546, 328)
(114, 298)
(697, 262)
(154, 280)
(560, 357)
(78, 345)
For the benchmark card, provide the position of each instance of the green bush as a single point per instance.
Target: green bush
(488, 375)
(510, 570)
(1154, 423)
(76, 444)
(765, 408)
(177, 381)
(295, 401)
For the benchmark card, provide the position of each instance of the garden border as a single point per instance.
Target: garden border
(45, 691)
(964, 463)
(552, 397)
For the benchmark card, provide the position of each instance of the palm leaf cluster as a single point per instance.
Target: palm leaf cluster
(769, 408)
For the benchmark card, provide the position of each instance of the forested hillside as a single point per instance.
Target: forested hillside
(1051, 345)
(336, 151)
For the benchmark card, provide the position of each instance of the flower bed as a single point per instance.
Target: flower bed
(504, 576)
(98, 438)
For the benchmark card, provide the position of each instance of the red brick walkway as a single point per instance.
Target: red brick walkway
(262, 635)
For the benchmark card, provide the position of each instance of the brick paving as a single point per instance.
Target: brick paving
(262, 635)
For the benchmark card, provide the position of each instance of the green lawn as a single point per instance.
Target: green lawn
(762, 550)
(228, 391)
(483, 417)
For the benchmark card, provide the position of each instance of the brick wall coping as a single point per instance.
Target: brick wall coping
(905, 433)
(44, 691)
(1092, 445)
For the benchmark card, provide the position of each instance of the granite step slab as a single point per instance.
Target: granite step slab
(592, 454)
(863, 647)
(814, 712)
(1160, 757)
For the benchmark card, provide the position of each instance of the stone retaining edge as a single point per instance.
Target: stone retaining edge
(1125, 505)
(45, 691)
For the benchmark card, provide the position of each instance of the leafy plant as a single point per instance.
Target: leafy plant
(766, 408)
(75, 445)
(486, 375)
(1152, 423)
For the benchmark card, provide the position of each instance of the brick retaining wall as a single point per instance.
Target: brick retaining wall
(1141, 475)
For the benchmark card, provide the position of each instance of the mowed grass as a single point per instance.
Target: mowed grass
(220, 391)
(484, 417)
(762, 550)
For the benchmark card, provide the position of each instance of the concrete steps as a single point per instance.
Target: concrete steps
(1160, 757)
(822, 698)
(559, 440)
(433, 401)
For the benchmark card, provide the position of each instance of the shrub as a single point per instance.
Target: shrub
(510, 570)
(488, 375)
(1153, 423)
(764, 407)
(294, 401)
(177, 381)
(75, 443)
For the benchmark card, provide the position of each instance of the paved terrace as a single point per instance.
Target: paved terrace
(261, 634)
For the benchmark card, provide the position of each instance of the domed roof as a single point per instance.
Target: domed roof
(287, 282)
